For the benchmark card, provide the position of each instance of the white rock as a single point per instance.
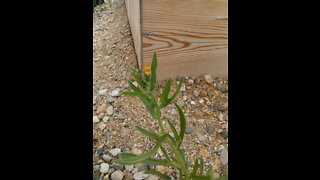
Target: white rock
(129, 167)
(135, 84)
(192, 102)
(201, 138)
(101, 126)
(208, 78)
(115, 92)
(201, 101)
(115, 151)
(104, 167)
(183, 88)
(140, 176)
(105, 119)
(224, 157)
(95, 119)
(117, 175)
(152, 177)
(110, 110)
(103, 92)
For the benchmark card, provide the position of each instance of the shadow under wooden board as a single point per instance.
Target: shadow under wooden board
(189, 36)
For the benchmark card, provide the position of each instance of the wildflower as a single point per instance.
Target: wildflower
(147, 68)
(147, 73)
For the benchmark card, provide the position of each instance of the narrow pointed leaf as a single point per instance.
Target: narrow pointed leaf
(162, 176)
(150, 107)
(195, 167)
(138, 78)
(177, 91)
(164, 152)
(182, 121)
(133, 87)
(223, 178)
(163, 138)
(163, 162)
(137, 159)
(173, 129)
(165, 93)
(201, 166)
(153, 72)
(201, 177)
(147, 133)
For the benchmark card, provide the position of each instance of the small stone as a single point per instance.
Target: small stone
(100, 116)
(183, 88)
(204, 153)
(101, 126)
(224, 157)
(120, 116)
(102, 92)
(201, 137)
(106, 158)
(104, 167)
(135, 84)
(136, 151)
(190, 82)
(219, 107)
(111, 99)
(209, 129)
(220, 117)
(96, 175)
(111, 170)
(193, 77)
(128, 176)
(189, 130)
(140, 176)
(109, 53)
(208, 79)
(201, 101)
(100, 151)
(164, 170)
(99, 161)
(152, 177)
(200, 120)
(101, 109)
(197, 81)
(143, 167)
(184, 98)
(135, 170)
(126, 150)
(115, 92)
(180, 102)
(106, 177)
(151, 166)
(95, 119)
(110, 110)
(117, 175)
(129, 167)
(192, 102)
(117, 166)
(115, 151)
(105, 119)
(96, 167)
(196, 93)
(224, 135)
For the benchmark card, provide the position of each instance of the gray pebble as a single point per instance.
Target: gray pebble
(115, 92)
(111, 99)
(140, 176)
(96, 175)
(183, 88)
(190, 82)
(117, 166)
(102, 92)
(151, 166)
(120, 116)
(117, 175)
(104, 167)
(115, 151)
(224, 157)
(96, 167)
(110, 110)
(105, 119)
(143, 168)
(197, 81)
(106, 158)
(126, 150)
(189, 130)
(180, 102)
(201, 137)
(129, 167)
(111, 170)
(194, 77)
(209, 129)
(135, 170)
(196, 93)
(219, 107)
(100, 151)
(224, 135)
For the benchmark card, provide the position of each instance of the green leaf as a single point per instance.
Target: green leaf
(147, 133)
(195, 167)
(168, 101)
(126, 155)
(223, 178)
(153, 75)
(182, 154)
(153, 161)
(162, 176)
(165, 93)
(139, 158)
(163, 137)
(138, 78)
(164, 152)
(201, 177)
(173, 129)
(182, 122)
(201, 166)
(133, 87)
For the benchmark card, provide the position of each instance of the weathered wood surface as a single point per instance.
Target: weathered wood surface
(189, 36)
(133, 10)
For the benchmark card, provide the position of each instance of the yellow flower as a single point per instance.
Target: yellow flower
(147, 68)
(147, 73)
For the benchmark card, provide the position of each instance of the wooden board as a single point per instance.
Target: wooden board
(133, 10)
(190, 36)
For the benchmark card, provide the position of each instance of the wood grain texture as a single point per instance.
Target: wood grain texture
(190, 36)
(133, 10)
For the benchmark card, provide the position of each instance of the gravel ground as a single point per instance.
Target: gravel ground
(204, 101)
